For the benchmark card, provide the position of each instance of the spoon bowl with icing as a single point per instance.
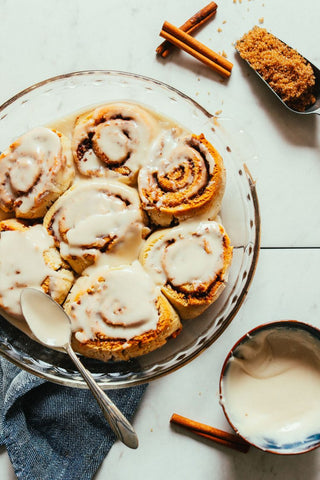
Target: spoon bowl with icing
(270, 387)
(51, 326)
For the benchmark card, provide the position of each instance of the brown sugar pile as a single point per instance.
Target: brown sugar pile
(285, 70)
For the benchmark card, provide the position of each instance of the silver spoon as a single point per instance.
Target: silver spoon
(51, 325)
(315, 107)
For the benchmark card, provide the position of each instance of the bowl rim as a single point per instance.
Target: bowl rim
(79, 73)
(298, 324)
(79, 383)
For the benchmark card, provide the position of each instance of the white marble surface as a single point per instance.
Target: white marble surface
(43, 39)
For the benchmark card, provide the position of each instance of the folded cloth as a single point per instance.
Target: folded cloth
(54, 432)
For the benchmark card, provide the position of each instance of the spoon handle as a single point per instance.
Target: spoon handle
(117, 421)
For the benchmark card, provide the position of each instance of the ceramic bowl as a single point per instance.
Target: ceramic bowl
(259, 414)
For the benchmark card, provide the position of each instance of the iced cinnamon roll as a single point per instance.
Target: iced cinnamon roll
(190, 263)
(113, 140)
(185, 177)
(28, 258)
(34, 171)
(92, 218)
(119, 314)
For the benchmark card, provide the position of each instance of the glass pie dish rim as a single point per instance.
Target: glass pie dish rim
(56, 378)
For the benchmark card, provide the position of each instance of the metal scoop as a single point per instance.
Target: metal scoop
(51, 325)
(315, 107)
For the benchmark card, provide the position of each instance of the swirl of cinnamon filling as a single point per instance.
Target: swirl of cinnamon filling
(119, 313)
(190, 263)
(94, 217)
(113, 140)
(34, 171)
(185, 177)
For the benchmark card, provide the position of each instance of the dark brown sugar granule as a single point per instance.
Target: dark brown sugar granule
(282, 67)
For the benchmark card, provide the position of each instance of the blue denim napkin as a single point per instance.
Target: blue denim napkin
(53, 432)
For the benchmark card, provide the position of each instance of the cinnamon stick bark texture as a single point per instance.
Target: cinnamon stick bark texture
(214, 434)
(196, 49)
(191, 25)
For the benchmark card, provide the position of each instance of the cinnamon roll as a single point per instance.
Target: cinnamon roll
(28, 258)
(190, 263)
(94, 217)
(113, 140)
(119, 314)
(185, 177)
(34, 171)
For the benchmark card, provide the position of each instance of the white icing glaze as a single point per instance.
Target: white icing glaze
(121, 304)
(110, 138)
(271, 387)
(191, 253)
(94, 213)
(123, 253)
(91, 163)
(24, 173)
(30, 167)
(22, 263)
(120, 136)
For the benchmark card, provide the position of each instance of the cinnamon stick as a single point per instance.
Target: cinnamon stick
(197, 46)
(218, 436)
(236, 446)
(192, 24)
(199, 56)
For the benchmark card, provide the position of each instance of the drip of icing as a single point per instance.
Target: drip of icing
(22, 263)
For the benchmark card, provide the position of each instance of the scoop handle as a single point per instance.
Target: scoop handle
(117, 421)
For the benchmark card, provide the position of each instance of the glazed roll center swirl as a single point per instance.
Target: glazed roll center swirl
(188, 257)
(108, 308)
(184, 170)
(191, 261)
(118, 306)
(113, 141)
(180, 171)
(94, 217)
(34, 170)
(24, 164)
(24, 174)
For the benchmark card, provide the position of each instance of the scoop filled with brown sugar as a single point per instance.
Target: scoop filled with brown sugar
(288, 73)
